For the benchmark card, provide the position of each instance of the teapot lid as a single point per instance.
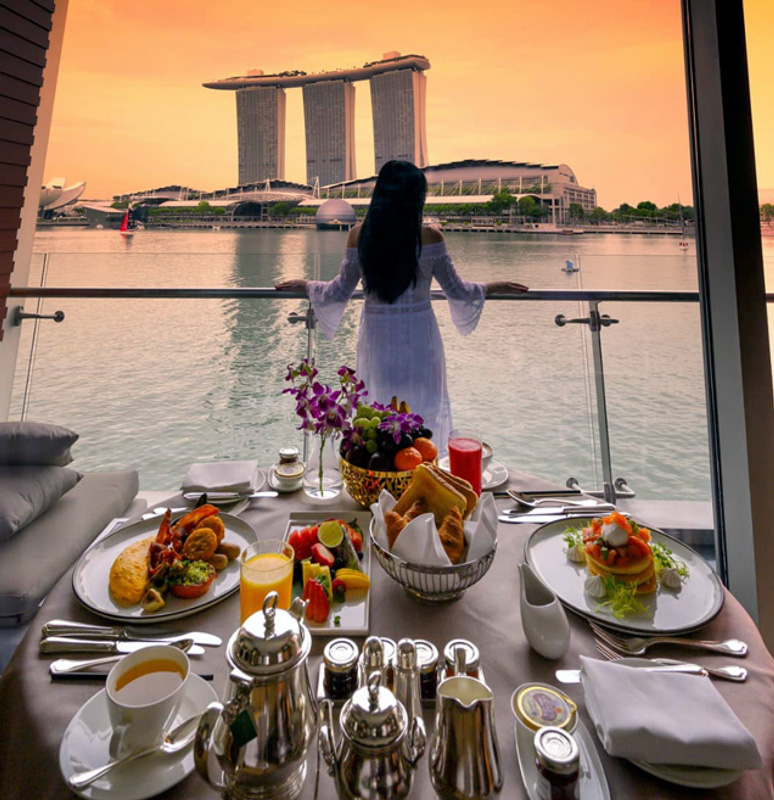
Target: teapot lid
(271, 640)
(373, 717)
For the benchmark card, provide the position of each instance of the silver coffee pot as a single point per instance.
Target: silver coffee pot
(261, 733)
(379, 748)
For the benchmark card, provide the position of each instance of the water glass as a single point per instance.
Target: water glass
(465, 457)
(266, 566)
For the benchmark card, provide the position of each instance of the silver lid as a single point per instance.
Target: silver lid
(557, 750)
(340, 655)
(271, 640)
(464, 648)
(390, 650)
(406, 658)
(288, 454)
(427, 655)
(373, 717)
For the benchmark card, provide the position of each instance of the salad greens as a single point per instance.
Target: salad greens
(573, 537)
(621, 600)
(665, 559)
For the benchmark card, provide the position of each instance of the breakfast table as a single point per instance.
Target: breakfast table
(36, 712)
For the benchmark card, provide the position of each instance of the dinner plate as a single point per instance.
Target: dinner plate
(696, 777)
(91, 573)
(592, 783)
(353, 613)
(86, 742)
(698, 600)
(495, 474)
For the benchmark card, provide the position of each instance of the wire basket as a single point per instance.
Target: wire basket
(432, 585)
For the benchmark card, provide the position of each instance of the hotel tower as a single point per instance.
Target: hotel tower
(398, 100)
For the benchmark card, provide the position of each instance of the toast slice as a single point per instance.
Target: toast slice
(439, 496)
(461, 485)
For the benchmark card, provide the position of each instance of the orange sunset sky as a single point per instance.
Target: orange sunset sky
(598, 85)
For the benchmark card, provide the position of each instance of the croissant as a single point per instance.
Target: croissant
(394, 524)
(418, 507)
(452, 535)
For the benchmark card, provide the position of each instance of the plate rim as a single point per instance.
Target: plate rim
(159, 617)
(200, 684)
(725, 777)
(610, 621)
(310, 517)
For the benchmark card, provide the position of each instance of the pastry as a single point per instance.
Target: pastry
(452, 535)
(394, 523)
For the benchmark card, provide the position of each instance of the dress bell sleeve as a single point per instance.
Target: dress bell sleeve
(466, 298)
(329, 298)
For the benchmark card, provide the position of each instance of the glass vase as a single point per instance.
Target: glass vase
(322, 479)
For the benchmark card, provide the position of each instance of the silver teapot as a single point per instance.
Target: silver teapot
(379, 747)
(261, 733)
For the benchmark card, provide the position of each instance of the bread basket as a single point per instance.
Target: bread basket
(432, 585)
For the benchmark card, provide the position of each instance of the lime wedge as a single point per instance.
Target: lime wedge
(330, 533)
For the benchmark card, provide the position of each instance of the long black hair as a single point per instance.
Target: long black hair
(391, 236)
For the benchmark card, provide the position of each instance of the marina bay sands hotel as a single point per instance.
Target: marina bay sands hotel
(398, 102)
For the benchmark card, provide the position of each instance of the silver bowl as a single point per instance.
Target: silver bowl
(432, 585)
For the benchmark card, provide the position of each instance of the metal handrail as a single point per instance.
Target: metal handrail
(211, 293)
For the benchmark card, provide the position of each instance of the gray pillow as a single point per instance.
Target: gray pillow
(27, 491)
(35, 443)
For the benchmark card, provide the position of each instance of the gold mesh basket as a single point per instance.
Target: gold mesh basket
(365, 485)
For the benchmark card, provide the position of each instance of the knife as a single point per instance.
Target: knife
(543, 516)
(82, 630)
(64, 644)
(574, 675)
(226, 497)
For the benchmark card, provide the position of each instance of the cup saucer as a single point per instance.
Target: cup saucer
(87, 738)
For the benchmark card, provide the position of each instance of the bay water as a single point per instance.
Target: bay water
(155, 385)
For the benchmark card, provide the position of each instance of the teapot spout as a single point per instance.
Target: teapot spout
(297, 608)
(327, 736)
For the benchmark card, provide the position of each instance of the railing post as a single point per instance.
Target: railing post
(599, 385)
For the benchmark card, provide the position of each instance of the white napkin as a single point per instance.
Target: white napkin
(419, 542)
(665, 718)
(221, 476)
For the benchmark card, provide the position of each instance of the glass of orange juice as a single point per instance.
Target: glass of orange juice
(266, 566)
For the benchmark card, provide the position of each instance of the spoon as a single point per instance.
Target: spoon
(176, 740)
(64, 665)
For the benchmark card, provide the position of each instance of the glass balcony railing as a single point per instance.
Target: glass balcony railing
(154, 378)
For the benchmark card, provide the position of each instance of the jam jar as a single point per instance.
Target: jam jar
(340, 668)
(427, 662)
(557, 758)
(468, 654)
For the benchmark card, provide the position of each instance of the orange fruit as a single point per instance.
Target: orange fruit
(408, 458)
(426, 448)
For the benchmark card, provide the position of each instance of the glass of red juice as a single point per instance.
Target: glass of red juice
(465, 457)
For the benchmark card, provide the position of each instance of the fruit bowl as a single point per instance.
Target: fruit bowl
(432, 585)
(365, 485)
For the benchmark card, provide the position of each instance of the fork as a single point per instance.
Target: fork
(637, 645)
(730, 673)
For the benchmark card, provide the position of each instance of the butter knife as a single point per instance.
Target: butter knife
(82, 630)
(574, 675)
(228, 497)
(64, 644)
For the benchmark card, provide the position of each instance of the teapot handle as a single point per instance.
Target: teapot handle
(416, 741)
(326, 736)
(202, 742)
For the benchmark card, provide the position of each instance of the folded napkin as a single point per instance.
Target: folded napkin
(222, 476)
(419, 542)
(665, 718)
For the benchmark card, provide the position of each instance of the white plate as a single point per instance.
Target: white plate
(90, 576)
(495, 474)
(354, 613)
(86, 741)
(592, 783)
(697, 601)
(697, 777)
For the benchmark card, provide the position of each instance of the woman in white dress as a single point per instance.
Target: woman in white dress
(400, 350)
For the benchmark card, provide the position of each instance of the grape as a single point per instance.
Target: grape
(371, 446)
(374, 421)
(370, 434)
(361, 422)
(365, 411)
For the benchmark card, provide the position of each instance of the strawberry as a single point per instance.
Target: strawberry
(322, 555)
(318, 606)
(339, 589)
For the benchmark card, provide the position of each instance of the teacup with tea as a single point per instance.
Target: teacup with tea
(144, 690)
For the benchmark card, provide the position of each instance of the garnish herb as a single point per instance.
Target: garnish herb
(622, 599)
(573, 537)
(665, 559)
(337, 620)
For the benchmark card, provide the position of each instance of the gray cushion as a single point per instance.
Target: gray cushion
(35, 443)
(27, 491)
(31, 563)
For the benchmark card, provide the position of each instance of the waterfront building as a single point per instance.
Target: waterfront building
(476, 181)
(399, 117)
(55, 196)
(329, 112)
(261, 133)
(398, 107)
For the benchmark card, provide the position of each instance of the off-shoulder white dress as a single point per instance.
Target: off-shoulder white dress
(400, 350)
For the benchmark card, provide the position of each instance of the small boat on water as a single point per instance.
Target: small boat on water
(125, 230)
(572, 266)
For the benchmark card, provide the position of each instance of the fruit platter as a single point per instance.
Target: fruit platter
(332, 569)
(382, 449)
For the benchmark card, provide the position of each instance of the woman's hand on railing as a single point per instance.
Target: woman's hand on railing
(294, 285)
(504, 287)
